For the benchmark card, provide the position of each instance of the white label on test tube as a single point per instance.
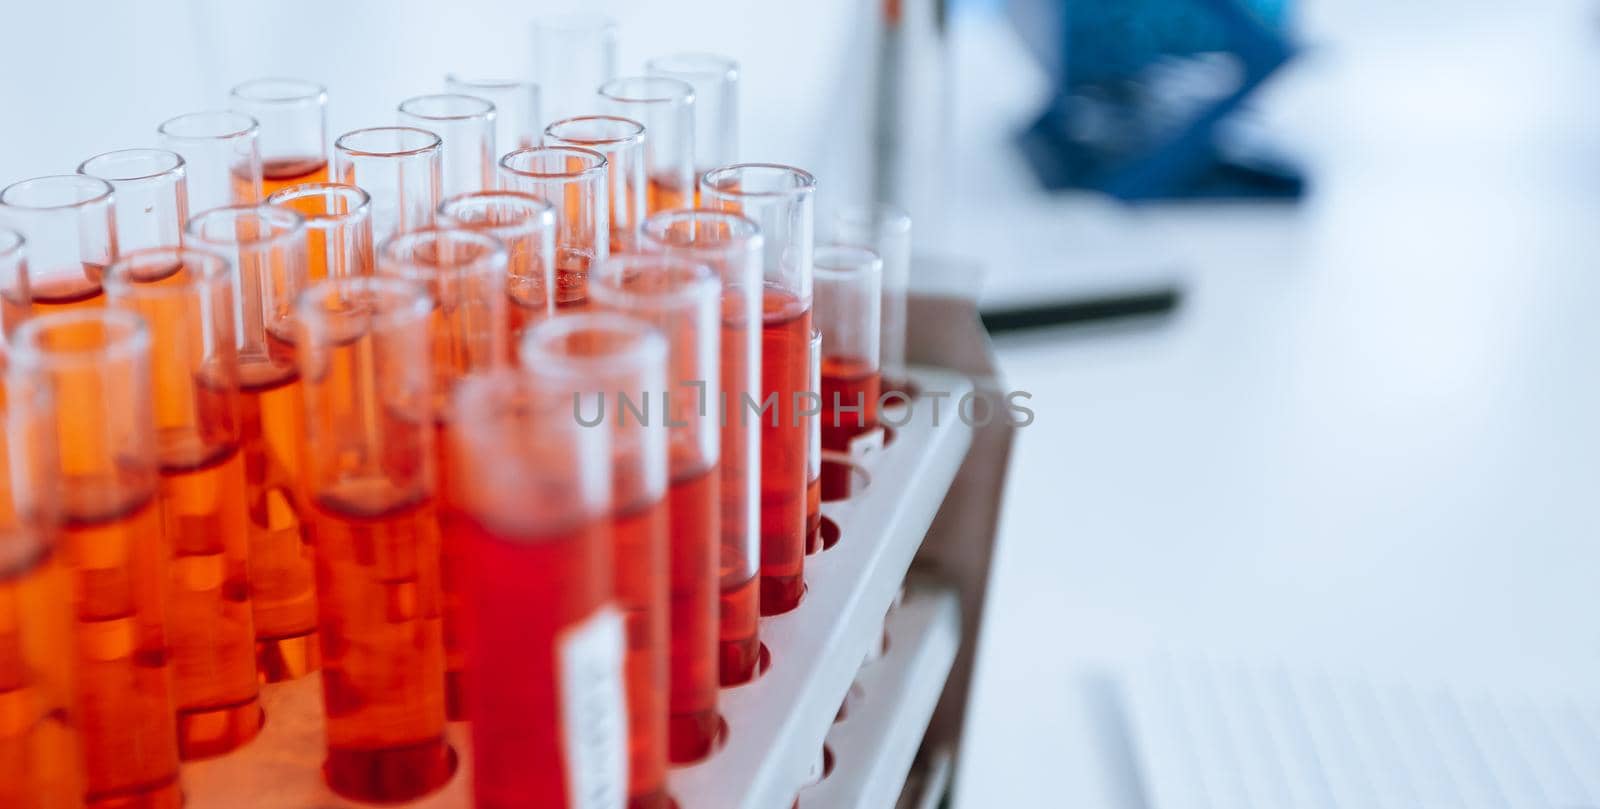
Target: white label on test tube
(594, 723)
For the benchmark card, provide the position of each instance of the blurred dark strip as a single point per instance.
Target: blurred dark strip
(1084, 310)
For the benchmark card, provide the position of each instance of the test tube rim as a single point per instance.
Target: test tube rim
(132, 338)
(716, 64)
(179, 165)
(807, 182)
(704, 284)
(545, 218)
(866, 260)
(12, 242)
(293, 226)
(323, 221)
(488, 83)
(534, 353)
(494, 261)
(750, 231)
(587, 171)
(105, 191)
(246, 127)
(317, 91)
(637, 135)
(218, 270)
(683, 91)
(486, 111)
(433, 144)
(884, 218)
(308, 311)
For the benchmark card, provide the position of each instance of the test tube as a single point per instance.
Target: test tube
(886, 230)
(267, 248)
(621, 141)
(293, 137)
(15, 300)
(399, 166)
(546, 646)
(779, 199)
(573, 54)
(185, 297)
(731, 245)
(666, 108)
(338, 221)
(526, 225)
(464, 273)
(848, 296)
(617, 364)
(682, 300)
(40, 754)
(221, 155)
(152, 198)
(465, 124)
(365, 361)
(715, 80)
(517, 124)
(813, 416)
(69, 223)
(574, 181)
(95, 366)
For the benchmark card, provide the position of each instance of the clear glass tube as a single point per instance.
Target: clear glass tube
(40, 752)
(618, 363)
(465, 124)
(95, 366)
(533, 503)
(152, 197)
(15, 299)
(526, 225)
(573, 54)
(621, 141)
(886, 230)
(338, 221)
(666, 108)
(731, 246)
(267, 248)
(683, 301)
(365, 360)
(779, 199)
(400, 167)
(813, 416)
(715, 80)
(69, 223)
(517, 121)
(574, 181)
(221, 154)
(185, 297)
(293, 138)
(848, 299)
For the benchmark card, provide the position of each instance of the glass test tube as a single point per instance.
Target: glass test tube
(715, 80)
(69, 223)
(886, 230)
(731, 245)
(400, 167)
(666, 108)
(848, 296)
(466, 126)
(267, 247)
(621, 140)
(221, 155)
(293, 137)
(364, 358)
(338, 221)
(617, 363)
(526, 225)
(683, 300)
(779, 199)
(464, 273)
(573, 54)
(813, 416)
(15, 299)
(95, 366)
(546, 640)
(152, 198)
(517, 124)
(574, 181)
(40, 755)
(185, 297)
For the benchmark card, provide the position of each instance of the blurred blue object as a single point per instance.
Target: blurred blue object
(1143, 90)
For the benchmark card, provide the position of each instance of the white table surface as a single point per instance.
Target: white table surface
(1369, 438)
